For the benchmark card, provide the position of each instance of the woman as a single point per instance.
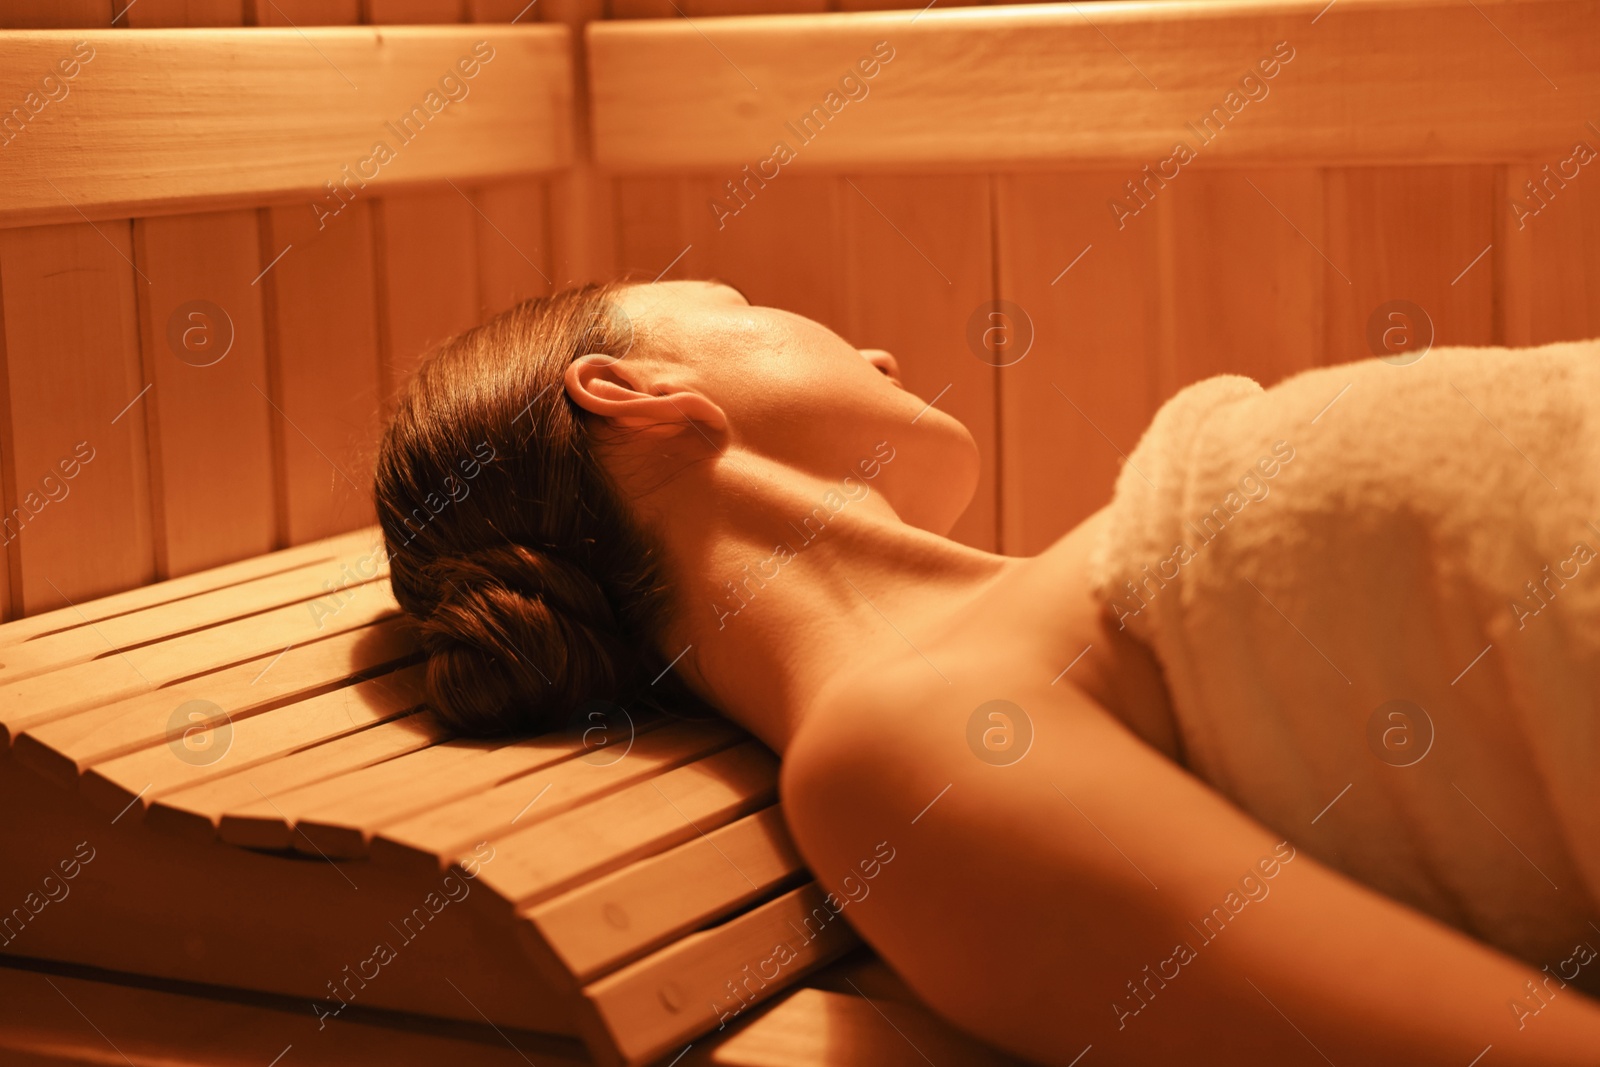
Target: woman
(663, 475)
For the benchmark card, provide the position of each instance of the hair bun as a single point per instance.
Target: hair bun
(516, 637)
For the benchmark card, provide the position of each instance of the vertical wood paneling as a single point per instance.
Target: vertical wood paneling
(512, 221)
(1241, 275)
(73, 375)
(322, 331)
(580, 197)
(402, 12)
(513, 217)
(301, 12)
(1551, 264)
(57, 14)
(427, 277)
(320, 304)
(1076, 404)
(913, 277)
(783, 249)
(28, 14)
(153, 14)
(1409, 233)
(210, 444)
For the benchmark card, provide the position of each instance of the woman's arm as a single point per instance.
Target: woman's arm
(1094, 893)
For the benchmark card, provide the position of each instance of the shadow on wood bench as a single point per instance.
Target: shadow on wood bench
(245, 832)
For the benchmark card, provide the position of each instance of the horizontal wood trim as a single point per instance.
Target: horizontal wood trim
(197, 811)
(1099, 83)
(65, 748)
(144, 597)
(148, 773)
(164, 121)
(711, 977)
(643, 907)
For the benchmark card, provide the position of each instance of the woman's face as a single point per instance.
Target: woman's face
(796, 392)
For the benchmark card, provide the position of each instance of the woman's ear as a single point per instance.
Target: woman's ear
(620, 391)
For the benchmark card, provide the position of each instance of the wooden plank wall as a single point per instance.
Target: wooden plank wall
(229, 400)
(1262, 271)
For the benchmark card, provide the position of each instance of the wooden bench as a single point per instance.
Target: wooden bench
(237, 768)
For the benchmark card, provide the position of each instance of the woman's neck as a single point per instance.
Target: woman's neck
(785, 584)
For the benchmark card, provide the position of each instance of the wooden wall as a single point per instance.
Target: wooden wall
(1262, 270)
(194, 465)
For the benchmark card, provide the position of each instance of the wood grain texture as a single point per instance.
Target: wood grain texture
(402, 12)
(1085, 295)
(1242, 278)
(1423, 235)
(158, 14)
(322, 329)
(82, 615)
(196, 811)
(302, 12)
(1101, 83)
(1548, 237)
(147, 773)
(43, 1028)
(815, 1026)
(427, 266)
(210, 422)
(513, 227)
(580, 196)
(615, 919)
(78, 521)
(918, 255)
(65, 748)
(257, 114)
(731, 967)
(42, 698)
(32, 15)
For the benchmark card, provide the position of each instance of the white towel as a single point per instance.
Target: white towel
(1300, 557)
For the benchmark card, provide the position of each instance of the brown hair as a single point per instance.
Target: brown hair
(532, 588)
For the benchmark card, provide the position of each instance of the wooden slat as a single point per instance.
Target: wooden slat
(196, 811)
(1077, 403)
(156, 14)
(323, 586)
(446, 829)
(30, 14)
(813, 1026)
(615, 919)
(920, 264)
(251, 115)
(150, 596)
(65, 748)
(401, 12)
(513, 244)
(46, 697)
(1412, 234)
(663, 1001)
(322, 329)
(427, 277)
(346, 808)
(557, 854)
(1044, 84)
(1549, 248)
(70, 345)
(150, 773)
(581, 239)
(1242, 284)
(144, 1024)
(209, 419)
(302, 12)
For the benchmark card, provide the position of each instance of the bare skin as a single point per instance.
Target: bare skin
(1025, 901)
